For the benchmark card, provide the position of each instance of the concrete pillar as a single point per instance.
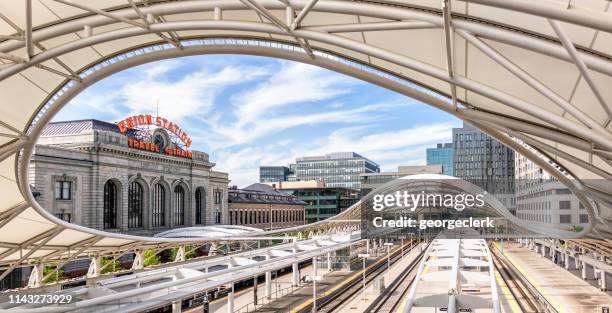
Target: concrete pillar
(367, 246)
(138, 263)
(566, 261)
(552, 249)
(230, 300)
(176, 306)
(543, 250)
(94, 267)
(562, 255)
(329, 261)
(180, 254)
(584, 271)
(268, 276)
(255, 293)
(374, 246)
(602, 280)
(213, 250)
(576, 262)
(36, 276)
(295, 278)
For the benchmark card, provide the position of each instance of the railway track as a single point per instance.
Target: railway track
(522, 293)
(390, 299)
(338, 297)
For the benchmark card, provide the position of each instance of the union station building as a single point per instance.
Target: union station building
(136, 176)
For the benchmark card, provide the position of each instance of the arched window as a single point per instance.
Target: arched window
(179, 206)
(159, 205)
(135, 199)
(200, 201)
(110, 205)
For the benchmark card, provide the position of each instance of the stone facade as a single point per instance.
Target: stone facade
(262, 206)
(90, 157)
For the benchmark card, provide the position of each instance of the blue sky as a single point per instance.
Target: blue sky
(247, 111)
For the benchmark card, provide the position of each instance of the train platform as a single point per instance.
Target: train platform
(281, 288)
(566, 292)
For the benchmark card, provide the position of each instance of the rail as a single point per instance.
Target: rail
(333, 298)
(266, 299)
(537, 296)
(386, 298)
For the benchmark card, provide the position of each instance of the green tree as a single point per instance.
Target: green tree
(55, 277)
(577, 228)
(150, 258)
(189, 255)
(114, 265)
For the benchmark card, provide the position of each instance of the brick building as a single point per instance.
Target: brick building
(262, 206)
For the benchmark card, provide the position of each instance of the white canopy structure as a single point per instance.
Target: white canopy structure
(449, 268)
(533, 74)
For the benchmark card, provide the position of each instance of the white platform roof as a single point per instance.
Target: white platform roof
(539, 71)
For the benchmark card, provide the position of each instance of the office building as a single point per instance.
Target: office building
(340, 169)
(484, 161)
(442, 154)
(542, 198)
(371, 181)
(273, 173)
(262, 206)
(321, 201)
(119, 178)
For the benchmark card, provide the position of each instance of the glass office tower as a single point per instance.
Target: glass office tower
(484, 161)
(340, 169)
(442, 155)
(273, 173)
(324, 202)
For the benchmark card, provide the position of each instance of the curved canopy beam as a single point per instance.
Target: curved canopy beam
(506, 69)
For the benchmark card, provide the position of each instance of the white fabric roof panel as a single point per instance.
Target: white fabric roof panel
(409, 53)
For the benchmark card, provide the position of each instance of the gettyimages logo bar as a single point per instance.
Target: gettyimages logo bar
(487, 208)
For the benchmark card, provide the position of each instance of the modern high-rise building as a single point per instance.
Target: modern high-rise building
(340, 169)
(542, 198)
(442, 155)
(273, 173)
(484, 161)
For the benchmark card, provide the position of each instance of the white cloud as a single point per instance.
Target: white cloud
(192, 94)
(390, 149)
(293, 84)
(235, 134)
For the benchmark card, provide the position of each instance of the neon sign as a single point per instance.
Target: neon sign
(159, 121)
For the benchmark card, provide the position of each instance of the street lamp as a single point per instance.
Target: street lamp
(314, 279)
(363, 256)
(402, 238)
(411, 243)
(388, 245)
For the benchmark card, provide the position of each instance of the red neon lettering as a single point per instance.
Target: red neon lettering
(122, 127)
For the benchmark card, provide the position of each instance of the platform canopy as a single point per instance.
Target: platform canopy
(534, 74)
